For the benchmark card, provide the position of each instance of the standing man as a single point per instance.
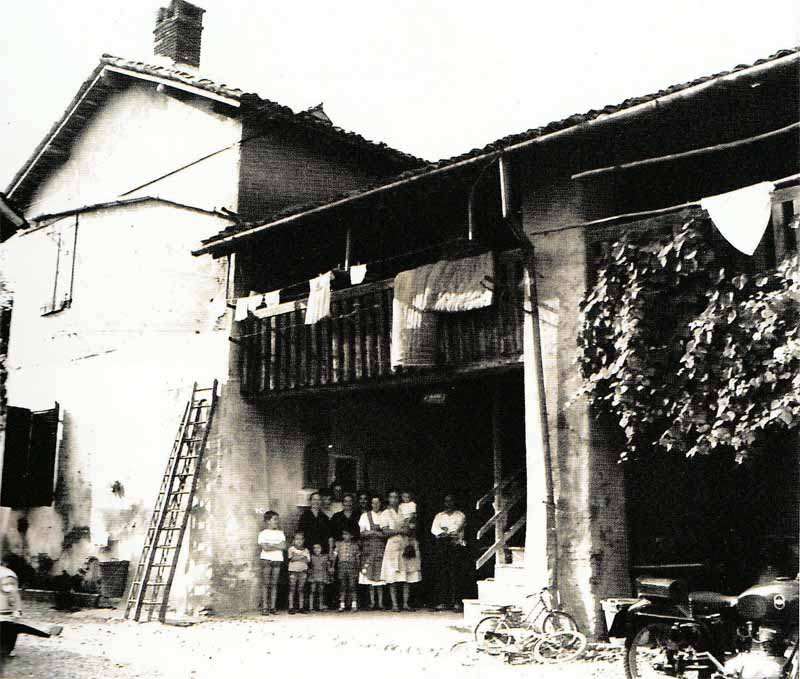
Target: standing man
(451, 553)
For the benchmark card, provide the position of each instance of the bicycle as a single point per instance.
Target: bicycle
(543, 617)
(542, 634)
(523, 645)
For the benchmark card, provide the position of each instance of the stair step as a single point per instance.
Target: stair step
(517, 555)
(494, 592)
(514, 574)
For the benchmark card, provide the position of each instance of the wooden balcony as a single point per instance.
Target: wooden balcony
(280, 354)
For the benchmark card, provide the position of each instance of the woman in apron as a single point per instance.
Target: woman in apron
(372, 548)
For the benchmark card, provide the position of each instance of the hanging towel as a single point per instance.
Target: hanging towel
(268, 300)
(414, 336)
(741, 216)
(357, 274)
(319, 298)
(422, 293)
(244, 305)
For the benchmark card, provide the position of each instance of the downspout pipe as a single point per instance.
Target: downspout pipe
(513, 223)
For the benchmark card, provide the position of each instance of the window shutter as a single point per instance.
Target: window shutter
(15, 457)
(29, 459)
(42, 457)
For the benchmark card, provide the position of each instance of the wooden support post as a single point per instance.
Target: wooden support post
(499, 496)
(540, 535)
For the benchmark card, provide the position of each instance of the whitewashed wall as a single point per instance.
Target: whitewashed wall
(147, 320)
(138, 135)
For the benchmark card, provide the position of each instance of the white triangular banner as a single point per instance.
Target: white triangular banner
(741, 216)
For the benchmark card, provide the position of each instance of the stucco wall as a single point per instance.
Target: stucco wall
(138, 135)
(147, 320)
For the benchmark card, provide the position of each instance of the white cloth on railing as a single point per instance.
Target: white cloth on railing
(741, 216)
(357, 274)
(245, 305)
(319, 298)
(422, 293)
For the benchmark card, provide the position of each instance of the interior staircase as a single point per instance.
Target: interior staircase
(508, 587)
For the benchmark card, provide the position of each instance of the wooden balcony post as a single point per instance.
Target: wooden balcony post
(499, 496)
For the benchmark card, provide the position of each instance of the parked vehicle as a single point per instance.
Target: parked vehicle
(11, 622)
(675, 633)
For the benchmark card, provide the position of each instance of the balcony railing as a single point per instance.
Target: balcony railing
(280, 353)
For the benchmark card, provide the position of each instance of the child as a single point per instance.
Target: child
(299, 557)
(348, 558)
(319, 576)
(408, 510)
(272, 542)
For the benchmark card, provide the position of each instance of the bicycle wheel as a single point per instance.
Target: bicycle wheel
(558, 621)
(465, 653)
(559, 647)
(491, 634)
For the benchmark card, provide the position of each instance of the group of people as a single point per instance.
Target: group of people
(345, 541)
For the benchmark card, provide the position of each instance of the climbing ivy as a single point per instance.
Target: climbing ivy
(686, 355)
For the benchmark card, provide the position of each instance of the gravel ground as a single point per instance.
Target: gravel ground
(101, 644)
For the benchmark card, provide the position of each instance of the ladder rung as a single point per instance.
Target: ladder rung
(196, 391)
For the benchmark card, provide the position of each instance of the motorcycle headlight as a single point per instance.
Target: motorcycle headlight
(8, 585)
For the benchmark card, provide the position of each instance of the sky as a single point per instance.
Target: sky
(431, 77)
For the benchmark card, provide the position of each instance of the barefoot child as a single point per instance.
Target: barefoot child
(299, 558)
(272, 541)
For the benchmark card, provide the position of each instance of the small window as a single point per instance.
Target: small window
(63, 236)
(785, 221)
(29, 458)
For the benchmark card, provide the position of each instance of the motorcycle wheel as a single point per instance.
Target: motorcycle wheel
(492, 635)
(649, 653)
(559, 647)
(558, 621)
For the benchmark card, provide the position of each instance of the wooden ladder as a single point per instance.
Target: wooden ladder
(162, 544)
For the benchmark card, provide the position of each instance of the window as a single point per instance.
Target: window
(785, 215)
(29, 458)
(345, 470)
(63, 239)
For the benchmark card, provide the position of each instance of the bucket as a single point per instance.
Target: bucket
(114, 578)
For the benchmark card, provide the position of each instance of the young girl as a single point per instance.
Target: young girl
(299, 558)
(348, 561)
(319, 576)
(272, 541)
(408, 510)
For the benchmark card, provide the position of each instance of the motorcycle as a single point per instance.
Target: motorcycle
(671, 632)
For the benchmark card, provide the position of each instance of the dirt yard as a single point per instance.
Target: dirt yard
(98, 643)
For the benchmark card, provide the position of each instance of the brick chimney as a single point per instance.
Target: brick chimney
(177, 33)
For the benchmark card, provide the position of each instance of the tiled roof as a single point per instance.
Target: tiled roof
(64, 130)
(497, 146)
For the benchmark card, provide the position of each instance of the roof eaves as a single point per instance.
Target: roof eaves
(510, 143)
(36, 222)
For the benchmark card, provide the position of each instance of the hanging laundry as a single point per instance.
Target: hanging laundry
(357, 274)
(741, 216)
(319, 298)
(448, 286)
(245, 305)
(414, 336)
(268, 300)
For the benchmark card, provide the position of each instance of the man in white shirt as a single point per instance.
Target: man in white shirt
(451, 552)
